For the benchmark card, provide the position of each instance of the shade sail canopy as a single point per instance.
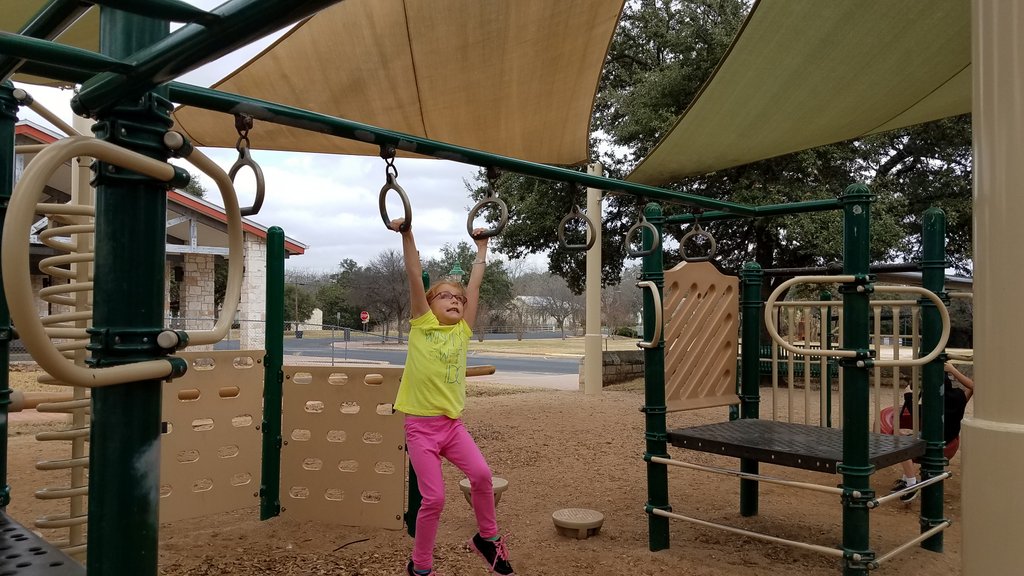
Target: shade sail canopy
(511, 77)
(805, 73)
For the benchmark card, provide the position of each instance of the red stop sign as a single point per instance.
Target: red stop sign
(364, 316)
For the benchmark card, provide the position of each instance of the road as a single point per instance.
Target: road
(376, 352)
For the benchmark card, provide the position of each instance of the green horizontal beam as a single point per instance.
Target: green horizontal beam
(48, 23)
(171, 10)
(210, 99)
(227, 103)
(44, 51)
(759, 211)
(191, 46)
(54, 62)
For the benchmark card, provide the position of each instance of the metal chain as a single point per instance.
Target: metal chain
(243, 123)
(387, 152)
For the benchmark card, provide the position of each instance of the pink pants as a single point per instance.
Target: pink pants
(428, 438)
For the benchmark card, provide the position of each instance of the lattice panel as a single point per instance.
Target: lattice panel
(701, 318)
(210, 451)
(344, 455)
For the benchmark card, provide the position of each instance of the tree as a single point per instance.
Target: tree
(535, 211)
(660, 56)
(496, 287)
(340, 295)
(194, 187)
(333, 299)
(298, 304)
(551, 296)
(220, 280)
(620, 305)
(385, 290)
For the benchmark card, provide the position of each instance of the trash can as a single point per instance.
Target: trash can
(298, 334)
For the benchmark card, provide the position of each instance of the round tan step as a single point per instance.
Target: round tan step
(579, 523)
(499, 485)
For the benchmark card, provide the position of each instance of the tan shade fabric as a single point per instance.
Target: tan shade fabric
(83, 34)
(805, 73)
(512, 77)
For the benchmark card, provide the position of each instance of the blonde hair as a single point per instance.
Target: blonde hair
(437, 288)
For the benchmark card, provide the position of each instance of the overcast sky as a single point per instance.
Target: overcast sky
(328, 202)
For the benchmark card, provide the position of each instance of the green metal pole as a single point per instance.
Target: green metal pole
(130, 237)
(49, 22)
(826, 344)
(36, 50)
(856, 468)
(173, 10)
(273, 377)
(210, 99)
(653, 269)
(8, 117)
(751, 279)
(933, 277)
(758, 211)
(266, 111)
(159, 60)
(415, 498)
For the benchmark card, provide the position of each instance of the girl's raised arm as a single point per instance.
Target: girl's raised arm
(476, 278)
(413, 269)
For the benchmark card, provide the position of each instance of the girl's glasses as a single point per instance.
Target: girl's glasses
(449, 296)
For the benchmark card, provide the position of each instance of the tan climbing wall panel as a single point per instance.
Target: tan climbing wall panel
(344, 455)
(701, 318)
(210, 451)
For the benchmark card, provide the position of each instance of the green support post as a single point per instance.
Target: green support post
(273, 377)
(933, 277)
(8, 117)
(415, 498)
(751, 279)
(130, 236)
(653, 270)
(856, 467)
(826, 344)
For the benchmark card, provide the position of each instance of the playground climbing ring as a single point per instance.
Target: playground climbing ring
(17, 282)
(697, 232)
(639, 226)
(243, 123)
(576, 214)
(491, 198)
(387, 152)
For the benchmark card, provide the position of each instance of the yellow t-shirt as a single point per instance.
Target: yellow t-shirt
(434, 381)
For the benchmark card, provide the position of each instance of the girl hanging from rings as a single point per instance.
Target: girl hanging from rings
(433, 394)
(433, 389)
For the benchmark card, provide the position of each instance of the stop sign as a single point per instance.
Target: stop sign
(364, 316)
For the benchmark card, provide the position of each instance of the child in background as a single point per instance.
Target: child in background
(955, 401)
(432, 395)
